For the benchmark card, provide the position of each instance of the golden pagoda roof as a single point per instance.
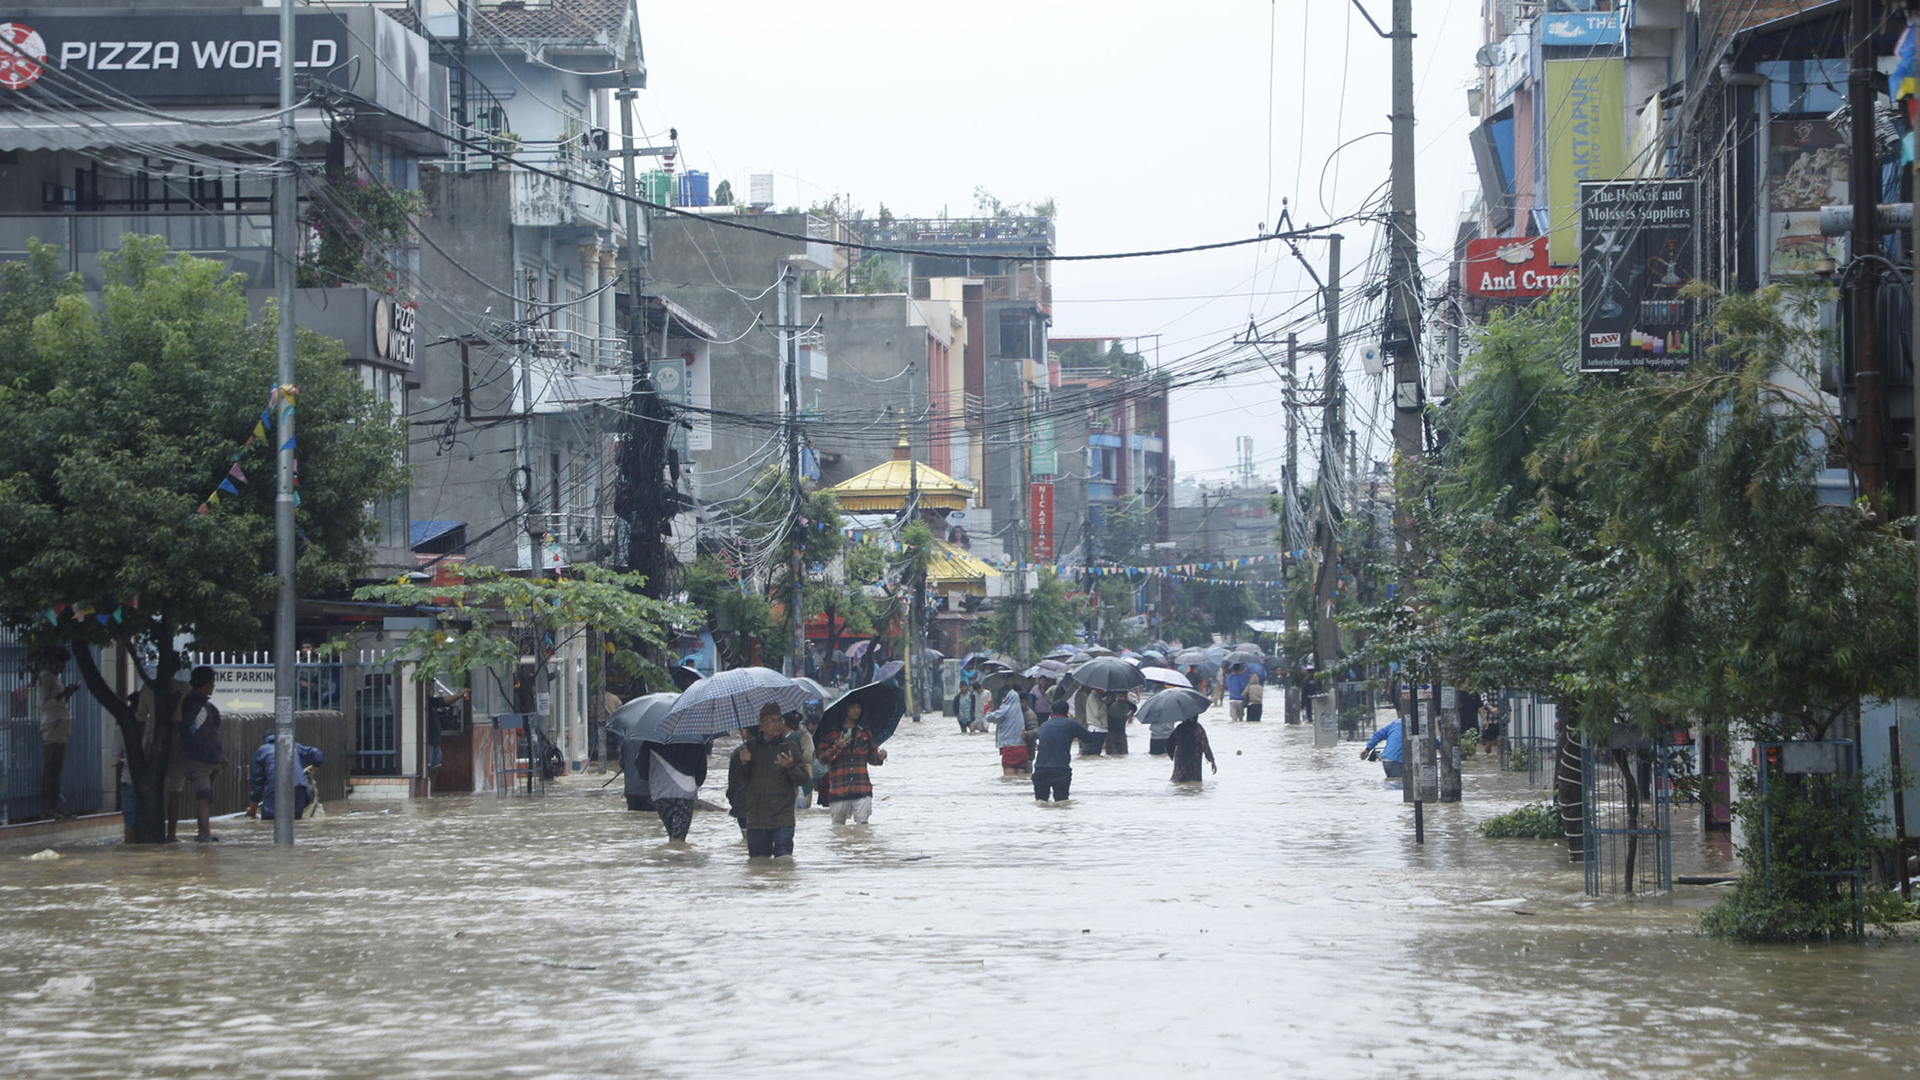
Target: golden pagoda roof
(886, 487)
(955, 569)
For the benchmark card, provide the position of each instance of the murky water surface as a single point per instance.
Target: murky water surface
(1278, 921)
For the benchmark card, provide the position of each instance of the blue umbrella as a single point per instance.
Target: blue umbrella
(730, 701)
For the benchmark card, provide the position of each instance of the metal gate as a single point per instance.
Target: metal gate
(1627, 783)
(21, 755)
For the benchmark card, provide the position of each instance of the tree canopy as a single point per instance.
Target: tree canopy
(120, 420)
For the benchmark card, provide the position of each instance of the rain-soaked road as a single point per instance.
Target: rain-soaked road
(1276, 922)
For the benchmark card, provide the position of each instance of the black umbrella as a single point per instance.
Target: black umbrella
(1172, 705)
(683, 677)
(881, 707)
(1108, 673)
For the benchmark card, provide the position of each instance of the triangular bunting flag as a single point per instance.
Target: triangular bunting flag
(237, 474)
(227, 486)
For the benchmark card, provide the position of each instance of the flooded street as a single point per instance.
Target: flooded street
(1277, 921)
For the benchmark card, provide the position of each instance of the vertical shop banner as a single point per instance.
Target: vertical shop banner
(670, 382)
(1040, 506)
(1042, 458)
(1637, 251)
(1806, 170)
(1586, 141)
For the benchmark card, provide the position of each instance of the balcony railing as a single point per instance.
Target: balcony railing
(580, 351)
(1023, 286)
(241, 242)
(941, 231)
(578, 532)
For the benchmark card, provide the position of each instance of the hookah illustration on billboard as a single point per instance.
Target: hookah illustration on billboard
(1608, 247)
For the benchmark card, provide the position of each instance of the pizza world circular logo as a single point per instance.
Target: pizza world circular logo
(23, 56)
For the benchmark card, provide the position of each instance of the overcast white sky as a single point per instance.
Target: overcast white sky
(1148, 123)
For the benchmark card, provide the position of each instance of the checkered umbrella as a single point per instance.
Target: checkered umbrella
(730, 701)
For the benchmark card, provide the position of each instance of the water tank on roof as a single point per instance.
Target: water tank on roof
(657, 187)
(760, 189)
(693, 189)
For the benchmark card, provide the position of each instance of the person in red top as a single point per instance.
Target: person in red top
(846, 754)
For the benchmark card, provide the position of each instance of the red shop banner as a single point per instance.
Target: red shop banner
(1040, 506)
(1505, 267)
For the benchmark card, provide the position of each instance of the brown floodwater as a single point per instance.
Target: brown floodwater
(1277, 920)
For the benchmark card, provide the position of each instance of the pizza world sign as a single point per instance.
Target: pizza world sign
(164, 57)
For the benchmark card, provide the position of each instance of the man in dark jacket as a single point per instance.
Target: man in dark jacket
(261, 779)
(197, 733)
(762, 777)
(1053, 762)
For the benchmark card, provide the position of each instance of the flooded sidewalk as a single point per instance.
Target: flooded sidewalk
(1277, 920)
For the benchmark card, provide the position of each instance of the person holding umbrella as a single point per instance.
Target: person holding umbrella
(1120, 709)
(1166, 710)
(847, 750)
(1186, 746)
(762, 777)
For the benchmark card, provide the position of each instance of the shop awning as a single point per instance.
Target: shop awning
(955, 569)
(95, 129)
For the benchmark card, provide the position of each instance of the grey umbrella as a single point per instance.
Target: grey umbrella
(639, 720)
(1191, 656)
(730, 701)
(1172, 705)
(1243, 656)
(1108, 673)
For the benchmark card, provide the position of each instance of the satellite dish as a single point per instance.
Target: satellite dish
(1488, 54)
(1371, 360)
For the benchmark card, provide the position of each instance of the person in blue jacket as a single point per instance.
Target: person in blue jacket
(1392, 754)
(261, 782)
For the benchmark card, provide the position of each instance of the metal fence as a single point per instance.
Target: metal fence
(1628, 786)
(321, 684)
(21, 754)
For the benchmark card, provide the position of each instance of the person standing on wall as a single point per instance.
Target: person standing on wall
(56, 726)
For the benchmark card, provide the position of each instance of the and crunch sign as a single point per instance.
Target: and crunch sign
(153, 57)
(1506, 267)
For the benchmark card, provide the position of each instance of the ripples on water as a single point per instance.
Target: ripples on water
(1276, 921)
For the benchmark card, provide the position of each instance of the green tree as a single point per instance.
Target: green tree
(737, 616)
(358, 223)
(491, 618)
(723, 194)
(118, 419)
(1055, 612)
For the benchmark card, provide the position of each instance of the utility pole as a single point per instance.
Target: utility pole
(789, 313)
(1326, 633)
(1870, 391)
(1291, 493)
(916, 610)
(1403, 337)
(1022, 540)
(285, 239)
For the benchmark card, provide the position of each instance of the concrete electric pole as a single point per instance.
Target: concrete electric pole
(285, 242)
(1409, 437)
